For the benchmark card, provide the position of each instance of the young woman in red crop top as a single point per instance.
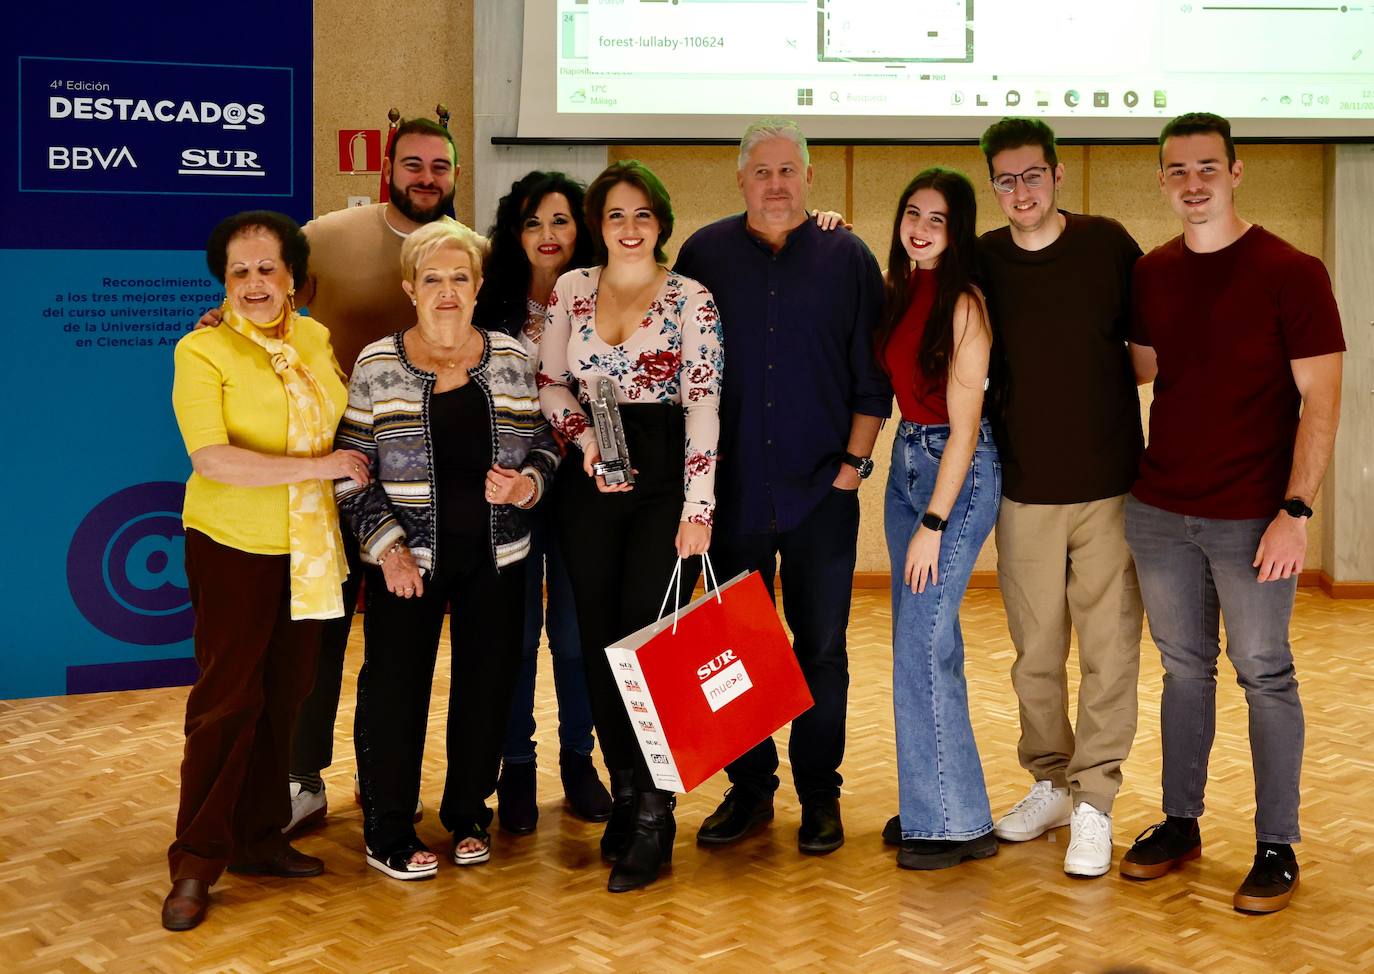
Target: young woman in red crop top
(942, 497)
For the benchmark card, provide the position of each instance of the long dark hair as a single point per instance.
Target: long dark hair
(955, 274)
(642, 178)
(506, 277)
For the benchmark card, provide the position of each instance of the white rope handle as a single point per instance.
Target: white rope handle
(675, 586)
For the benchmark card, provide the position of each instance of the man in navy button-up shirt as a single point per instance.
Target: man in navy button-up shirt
(802, 402)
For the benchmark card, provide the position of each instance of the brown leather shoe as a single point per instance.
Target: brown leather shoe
(186, 904)
(288, 864)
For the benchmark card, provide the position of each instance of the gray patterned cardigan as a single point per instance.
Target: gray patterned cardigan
(388, 420)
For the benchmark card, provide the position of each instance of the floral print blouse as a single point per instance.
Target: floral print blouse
(674, 356)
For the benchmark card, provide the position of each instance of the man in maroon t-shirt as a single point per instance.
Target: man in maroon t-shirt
(1240, 333)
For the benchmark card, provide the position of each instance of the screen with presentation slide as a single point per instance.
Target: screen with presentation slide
(870, 68)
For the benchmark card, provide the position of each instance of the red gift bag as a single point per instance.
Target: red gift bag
(704, 685)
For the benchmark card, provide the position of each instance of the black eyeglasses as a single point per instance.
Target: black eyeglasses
(1033, 177)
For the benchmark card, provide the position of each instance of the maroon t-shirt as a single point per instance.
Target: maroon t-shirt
(1225, 327)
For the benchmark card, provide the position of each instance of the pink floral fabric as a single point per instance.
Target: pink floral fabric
(674, 356)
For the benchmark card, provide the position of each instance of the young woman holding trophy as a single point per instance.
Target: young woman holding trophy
(654, 336)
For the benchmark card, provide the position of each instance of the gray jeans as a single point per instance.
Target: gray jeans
(1192, 571)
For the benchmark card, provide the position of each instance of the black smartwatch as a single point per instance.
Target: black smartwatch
(929, 520)
(1294, 507)
(862, 464)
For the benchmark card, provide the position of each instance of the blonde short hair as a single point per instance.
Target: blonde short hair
(443, 232)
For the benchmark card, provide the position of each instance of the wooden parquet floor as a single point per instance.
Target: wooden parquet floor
(88, 790)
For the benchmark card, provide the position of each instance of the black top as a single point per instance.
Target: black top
(460, 429)
(1068, 429)
(798, 337)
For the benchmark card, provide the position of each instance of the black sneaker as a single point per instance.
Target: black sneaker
(739, 813)
(943, 853)
(1270, 884)
(892, 831)
(1160, 848)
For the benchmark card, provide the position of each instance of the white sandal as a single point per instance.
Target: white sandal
(472, 857)
(398, 865)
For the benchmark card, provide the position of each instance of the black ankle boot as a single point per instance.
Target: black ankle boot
(622, 820)
(587, 796)
(651, 844)
(516, 804)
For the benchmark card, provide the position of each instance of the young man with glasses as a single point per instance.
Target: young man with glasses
(1067, 417)
(1241, 333)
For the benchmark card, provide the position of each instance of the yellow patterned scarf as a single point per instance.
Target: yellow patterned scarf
(318, 567)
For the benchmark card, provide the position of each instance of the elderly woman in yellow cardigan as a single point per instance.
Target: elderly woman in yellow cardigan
(257, 400)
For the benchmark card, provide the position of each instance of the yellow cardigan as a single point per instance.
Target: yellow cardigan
(225, 392)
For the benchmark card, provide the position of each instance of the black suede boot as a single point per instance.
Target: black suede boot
(587, 796)
(622, 820)
(651, 843)
(516, 804)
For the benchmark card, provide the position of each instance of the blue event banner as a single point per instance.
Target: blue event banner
(102, 126)
(123, 167)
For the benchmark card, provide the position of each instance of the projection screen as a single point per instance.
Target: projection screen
(608, 70)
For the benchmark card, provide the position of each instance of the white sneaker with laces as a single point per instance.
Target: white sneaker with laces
(1045, 807)
(307, 807)
(1090, 842)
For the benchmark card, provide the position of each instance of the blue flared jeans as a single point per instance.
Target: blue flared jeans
(940, 785)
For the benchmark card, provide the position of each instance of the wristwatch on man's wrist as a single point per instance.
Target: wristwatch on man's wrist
(1294, 507)
(862, 464)
(934, 522)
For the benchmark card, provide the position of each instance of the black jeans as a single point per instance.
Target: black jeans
(401, 642)
(817, 577)
(312, 745)
(620, 550)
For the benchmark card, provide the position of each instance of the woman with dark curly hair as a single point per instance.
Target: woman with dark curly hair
(539, 233)
(656, 336)
(257, 400)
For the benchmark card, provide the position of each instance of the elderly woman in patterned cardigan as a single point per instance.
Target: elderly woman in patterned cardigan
(449, 418)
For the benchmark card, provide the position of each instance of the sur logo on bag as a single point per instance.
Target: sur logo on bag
(730, 679)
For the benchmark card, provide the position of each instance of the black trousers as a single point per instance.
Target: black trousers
(620, 549)
(817, 571)
(401, 642)
(312, 746)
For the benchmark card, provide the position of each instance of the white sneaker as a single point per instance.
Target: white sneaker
(307, 807)
(1090, 842)
(358, 798)
(1045, 807)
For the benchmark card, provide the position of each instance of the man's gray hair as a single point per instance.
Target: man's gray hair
(772, 128)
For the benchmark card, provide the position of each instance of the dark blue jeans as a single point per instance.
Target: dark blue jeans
(1193, 571)
(545, 560)
(817, 573)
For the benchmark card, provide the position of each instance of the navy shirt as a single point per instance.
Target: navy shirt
(798, 364)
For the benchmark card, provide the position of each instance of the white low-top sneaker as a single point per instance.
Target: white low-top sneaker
(307, 807)
(1045, 807)
(1090, 842)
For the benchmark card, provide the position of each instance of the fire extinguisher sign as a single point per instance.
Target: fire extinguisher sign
(360, 150)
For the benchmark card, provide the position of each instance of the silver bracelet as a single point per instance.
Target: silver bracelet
(390, 551)
(525, 501)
